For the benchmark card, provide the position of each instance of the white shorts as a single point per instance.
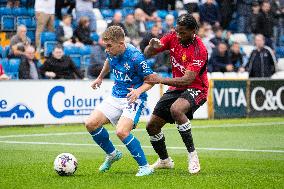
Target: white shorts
(113, 108)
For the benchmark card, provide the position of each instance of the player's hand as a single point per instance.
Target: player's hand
(50, 74)
(133, 95)
(155, 43)
(97, 83)
(153, 79)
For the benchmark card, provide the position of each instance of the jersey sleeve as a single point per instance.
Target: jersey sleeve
(165, 40)
(198, 61)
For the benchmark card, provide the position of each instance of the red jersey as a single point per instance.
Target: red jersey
(1, 70)
(193, 58)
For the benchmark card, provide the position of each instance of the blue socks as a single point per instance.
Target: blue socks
(133, 145)
(101, 137)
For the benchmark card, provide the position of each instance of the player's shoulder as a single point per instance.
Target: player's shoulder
(134, 54)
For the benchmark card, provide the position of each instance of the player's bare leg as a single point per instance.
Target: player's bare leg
(178, 110)
(157, 140)
(101, 137)
(124, 126)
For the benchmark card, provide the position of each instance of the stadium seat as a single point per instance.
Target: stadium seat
(230, 75)
(282, 40)
(48, 47)
(13, 68)
(31, 34)
(162, 14)
(71, 50)
(76, 59)
(107, 13)
(129, 3)
(47, 36)
(8, 23)
(243, 75)
(95, 36)
(6, 11)
(1, 50)
(85, 50)
(247, 49)
(31, 12)
(5, 64)
(5, 51)
(86, 61)
(127, 11)
(217, 75)
(240, 38)
(278, 75)
(21, 11)
(280, 52)
(280, 64)
(29, 22)
(174, 13)
(149, 25)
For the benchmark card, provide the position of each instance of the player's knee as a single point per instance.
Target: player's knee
(122, 133)
(152, 130)
(91, 125)
(175, 112)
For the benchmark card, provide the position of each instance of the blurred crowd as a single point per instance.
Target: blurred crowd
(240, 35)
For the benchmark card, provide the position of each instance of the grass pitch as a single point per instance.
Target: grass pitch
(235, 153)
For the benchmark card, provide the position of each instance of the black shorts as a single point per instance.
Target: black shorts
(194, 96)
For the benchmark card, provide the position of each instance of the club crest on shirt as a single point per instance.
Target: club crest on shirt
(127, 67)
(183, 58)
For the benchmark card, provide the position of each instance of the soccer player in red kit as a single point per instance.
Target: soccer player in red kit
(187, 92)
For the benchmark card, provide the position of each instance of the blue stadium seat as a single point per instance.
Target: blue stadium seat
(127, 11)
(5, 64)
(6, 11)
(280, 52)
(95, 36)
(8, 23)
(21, 11)
(5, 51)
(13, 68)
(107, 13)
(31, 12)
(71, 50)
(29, 22)
(1, 52)
(174, 13)
(129, 3)
(162, 14)
(86, 60)
(48, 47)
(47, 36)
(149, 25)
(85, 50)
(76, 59)
(31, 34)
(105, 4)
(282, 40)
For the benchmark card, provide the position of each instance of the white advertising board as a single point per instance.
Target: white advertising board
(56, 102)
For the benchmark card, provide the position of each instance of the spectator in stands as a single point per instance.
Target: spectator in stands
(18, 42)
(149, 9)
(205, 39)
(28, 68)
(59, 4)
(117, 20)
(45, 10)
(146, 39)
(253, 18)
(262, 61)
(210, 13)
(60, 66)
(13, 3)
(218, 37)
(191, 5)
(265, 23)
(64, 32)
(83, 32)
(226, 9)
(169, 23)
(115, 4)
(165, 4)
(98, 57)
(236, 56)
(84, 8)
(244, 11)
(140, 22)
(196, 16)
(3, 76)
(220, 60)
(132, 30)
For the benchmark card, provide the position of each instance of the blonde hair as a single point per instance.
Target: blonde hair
(113, 33)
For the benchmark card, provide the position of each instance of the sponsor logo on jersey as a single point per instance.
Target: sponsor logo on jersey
(177, 65)
(197, 62)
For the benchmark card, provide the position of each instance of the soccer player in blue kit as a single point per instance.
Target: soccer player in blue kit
(123, 108)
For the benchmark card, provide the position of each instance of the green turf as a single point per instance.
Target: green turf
(31, 165)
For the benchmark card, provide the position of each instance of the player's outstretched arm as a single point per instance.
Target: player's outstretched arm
(185, 80)
(154, 44)
(97, 83)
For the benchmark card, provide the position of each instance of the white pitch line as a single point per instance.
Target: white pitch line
(144, 130)
(171, 147)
